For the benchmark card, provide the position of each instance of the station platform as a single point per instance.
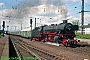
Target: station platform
(4, 48)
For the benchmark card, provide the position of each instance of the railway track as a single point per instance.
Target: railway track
(21, 50)
(55, 52)
(32, 50)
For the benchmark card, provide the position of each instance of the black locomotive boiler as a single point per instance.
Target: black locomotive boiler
(62, 33)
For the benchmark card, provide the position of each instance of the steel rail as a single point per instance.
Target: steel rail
(29, 51)
(17, 51)
(26, 49)
(42, 51)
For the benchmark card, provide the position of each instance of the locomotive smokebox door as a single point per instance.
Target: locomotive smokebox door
(64, 21)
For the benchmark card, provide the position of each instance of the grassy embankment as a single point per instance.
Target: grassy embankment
(84, 36)
(0, 35)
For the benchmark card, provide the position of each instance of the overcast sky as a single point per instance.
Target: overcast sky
(17, 12)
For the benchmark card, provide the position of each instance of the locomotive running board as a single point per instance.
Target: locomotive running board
(56, 44)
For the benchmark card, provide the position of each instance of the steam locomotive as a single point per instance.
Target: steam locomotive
(62, 33)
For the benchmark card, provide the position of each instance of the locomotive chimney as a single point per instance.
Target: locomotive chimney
(64, 21)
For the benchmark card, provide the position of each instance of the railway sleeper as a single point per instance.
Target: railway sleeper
(46, 53)
(59, 58)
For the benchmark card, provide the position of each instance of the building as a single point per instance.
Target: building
(87, 29)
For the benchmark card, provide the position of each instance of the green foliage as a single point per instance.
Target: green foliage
(84, 36)
(75, 22)
(89, 24)
(1, 35)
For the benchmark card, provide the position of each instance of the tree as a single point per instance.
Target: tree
(89, 24)
(76, 22)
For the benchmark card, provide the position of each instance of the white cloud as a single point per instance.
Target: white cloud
(87, 18)
(51, 15)
(2, 5)
(86, 1)
(72, 18)
(47, 14)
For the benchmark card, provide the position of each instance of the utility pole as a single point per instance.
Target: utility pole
(3, 27)
(82, 16)
(21, 26)
(31, 28)
(35, 22)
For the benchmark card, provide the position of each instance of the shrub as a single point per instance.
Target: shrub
(84, 36)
